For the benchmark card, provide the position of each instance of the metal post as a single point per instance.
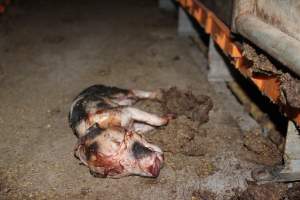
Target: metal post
(185, 26)
(167, 5)
(218, 69)
(291, 170)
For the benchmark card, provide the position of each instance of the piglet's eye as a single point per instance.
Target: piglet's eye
(91, 150)
(140, 151)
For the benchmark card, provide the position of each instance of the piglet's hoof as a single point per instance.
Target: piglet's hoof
(170, 116)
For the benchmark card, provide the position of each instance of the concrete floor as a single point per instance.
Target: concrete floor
(50, 51)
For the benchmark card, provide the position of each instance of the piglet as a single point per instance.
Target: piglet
(108, 130)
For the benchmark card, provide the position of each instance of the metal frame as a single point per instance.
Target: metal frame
(221, 34)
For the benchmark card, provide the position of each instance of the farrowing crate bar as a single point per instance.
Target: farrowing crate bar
(266, 24)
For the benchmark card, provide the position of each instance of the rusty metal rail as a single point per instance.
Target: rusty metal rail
(3, 5)
(221, 34)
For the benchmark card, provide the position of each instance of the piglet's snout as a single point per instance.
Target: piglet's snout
(155, 168)
(150, 158)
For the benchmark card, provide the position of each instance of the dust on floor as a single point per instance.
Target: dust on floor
(51, 50)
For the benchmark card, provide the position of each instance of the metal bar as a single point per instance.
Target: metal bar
(278, 44)
(291, 170)
(212, 25)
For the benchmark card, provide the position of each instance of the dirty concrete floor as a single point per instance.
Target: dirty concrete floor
(51, 50)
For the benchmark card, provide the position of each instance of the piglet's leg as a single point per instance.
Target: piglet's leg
(106, 119)
(129, 114)
(140, 94)
(134, 95)
(141, 127)
(127, 117)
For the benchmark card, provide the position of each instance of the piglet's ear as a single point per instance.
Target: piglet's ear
(80, 154)
(91, 133)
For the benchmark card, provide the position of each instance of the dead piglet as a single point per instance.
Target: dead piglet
(116, 152)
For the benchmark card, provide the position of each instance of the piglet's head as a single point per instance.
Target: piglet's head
(117, 152)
